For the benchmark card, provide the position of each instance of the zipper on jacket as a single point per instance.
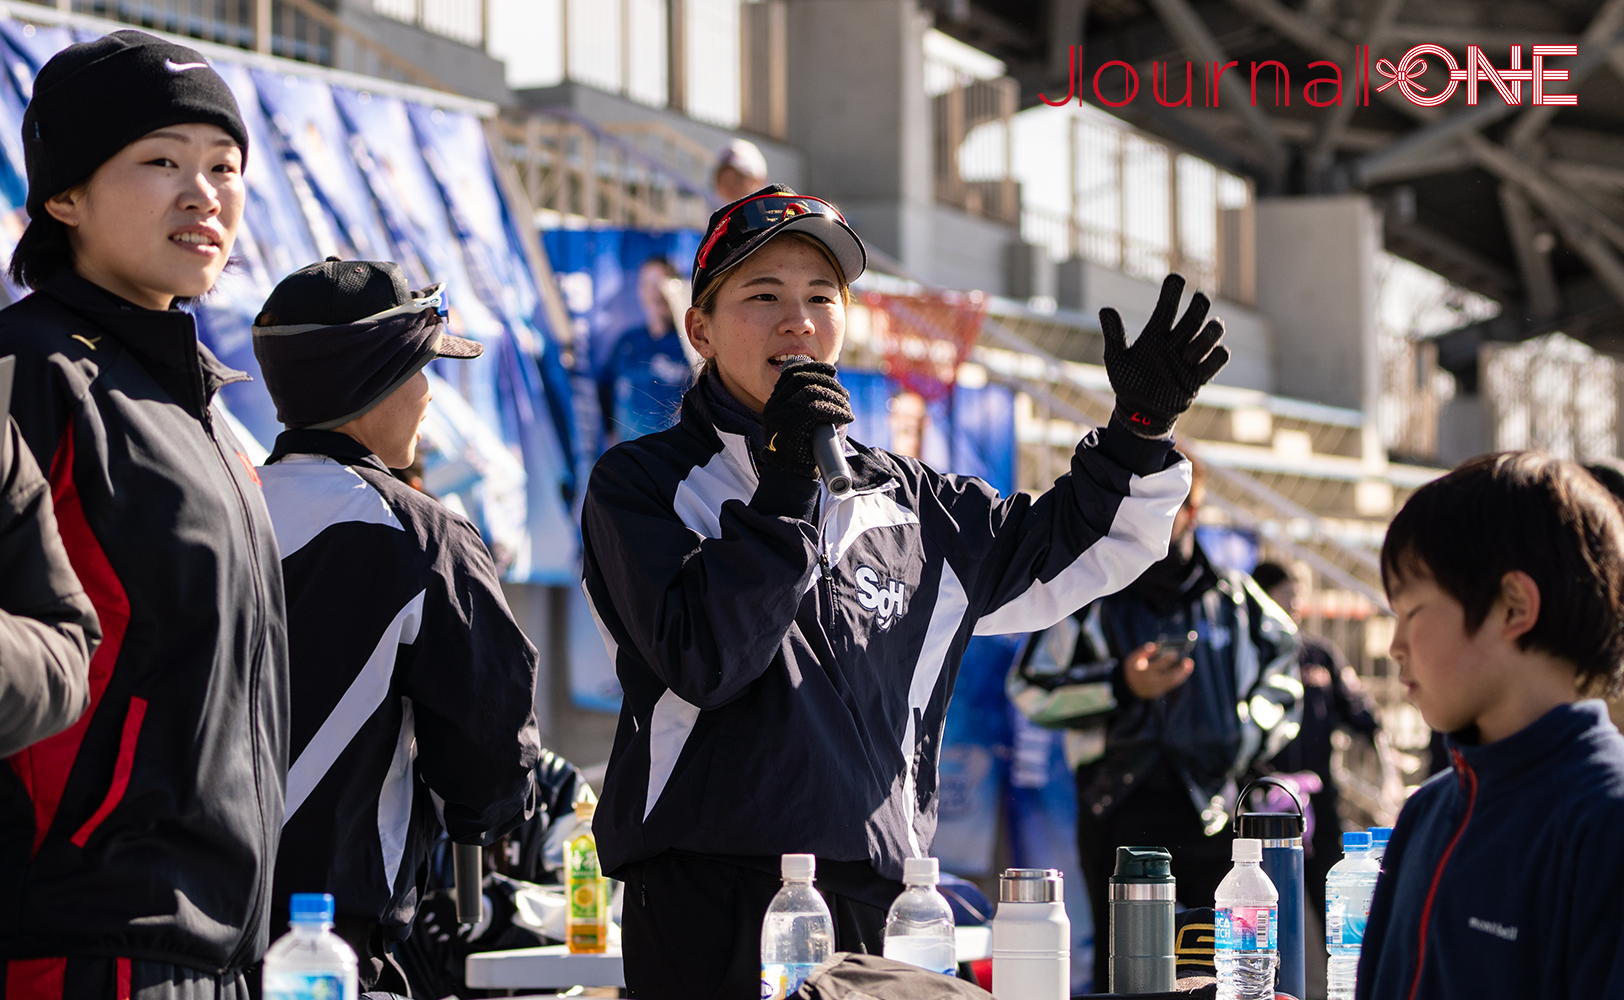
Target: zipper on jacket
(1468, 782)
(828, 588)
(268, 862)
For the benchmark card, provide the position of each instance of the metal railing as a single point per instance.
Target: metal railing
(973, 144)
(303, 30)
(1143, 207)
(1553, 394)
(1410, 404)
(459, 20)
(575, 171)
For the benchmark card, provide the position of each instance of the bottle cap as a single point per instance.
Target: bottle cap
(1270, 826)
(584, 810)
(799, 866)
(1031, 885)
(1246, 849)
(921, 871)
(1358, 840)
(1143, 864)
(1380, 835)
(311, 908)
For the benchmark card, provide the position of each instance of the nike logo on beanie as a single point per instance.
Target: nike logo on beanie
(175, 67)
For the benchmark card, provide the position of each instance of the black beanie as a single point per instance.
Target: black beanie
(93, 99)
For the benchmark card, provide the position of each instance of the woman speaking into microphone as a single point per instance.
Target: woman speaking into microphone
(787, 654)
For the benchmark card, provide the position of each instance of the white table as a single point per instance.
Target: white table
(553, 966)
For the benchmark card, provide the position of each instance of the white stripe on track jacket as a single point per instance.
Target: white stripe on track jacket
(786, 682)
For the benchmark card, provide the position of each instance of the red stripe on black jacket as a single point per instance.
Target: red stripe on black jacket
(149, 829)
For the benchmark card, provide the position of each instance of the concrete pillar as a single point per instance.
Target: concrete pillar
(1463, 430)
(857, 110)
(1316, 284)
(1028, 271)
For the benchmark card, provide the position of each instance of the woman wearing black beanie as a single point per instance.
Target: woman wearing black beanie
(136, 848)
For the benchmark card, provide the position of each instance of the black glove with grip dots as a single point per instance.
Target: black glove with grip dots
(1157, 378)
(807, 395)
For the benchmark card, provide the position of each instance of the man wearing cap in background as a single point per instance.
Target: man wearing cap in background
(412, 685)
(740, 169)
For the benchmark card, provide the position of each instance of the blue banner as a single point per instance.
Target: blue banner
(341, 173)
(1042, 819)
(598, 272)
(974, 768)
(318, 160)
(969, 432)
(532, 388)
(272, 241)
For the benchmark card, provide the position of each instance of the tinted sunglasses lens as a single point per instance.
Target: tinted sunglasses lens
(764, 213)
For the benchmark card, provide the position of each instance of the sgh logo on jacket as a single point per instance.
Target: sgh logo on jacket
(885, 601)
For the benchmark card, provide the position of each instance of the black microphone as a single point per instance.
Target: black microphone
(468, 876)
(831, 459)
(827, 451)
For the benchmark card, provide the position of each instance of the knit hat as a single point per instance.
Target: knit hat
(94, 98)
(335, 339)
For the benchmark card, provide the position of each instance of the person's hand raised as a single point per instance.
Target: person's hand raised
(1157, 378)
(1151, 673)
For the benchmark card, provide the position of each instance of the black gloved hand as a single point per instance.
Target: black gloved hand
(1156, 379)
(807, 394)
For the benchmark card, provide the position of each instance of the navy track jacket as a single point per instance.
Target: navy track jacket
(1505, 874)
(408, 675)
(148, 828)
(786, 681)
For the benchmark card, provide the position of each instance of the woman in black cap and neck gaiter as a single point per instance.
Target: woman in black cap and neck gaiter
(136, 848)
(786, 654)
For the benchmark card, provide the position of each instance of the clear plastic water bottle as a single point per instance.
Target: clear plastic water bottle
(310, 962)
(1379, 836)
(1246, 912)
(798, 934)
(1348, 888)
(919, 928)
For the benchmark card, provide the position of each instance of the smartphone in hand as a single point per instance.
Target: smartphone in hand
(1180, 644)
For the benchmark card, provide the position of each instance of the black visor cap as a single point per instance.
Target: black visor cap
(738, 230)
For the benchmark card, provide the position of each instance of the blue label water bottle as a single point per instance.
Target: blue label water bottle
(1282, 837)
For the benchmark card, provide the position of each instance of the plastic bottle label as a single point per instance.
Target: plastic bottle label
(585, 897)
(586, 924)
(303, 986)
(1245, 928)
(1342, 928)
(779, 980)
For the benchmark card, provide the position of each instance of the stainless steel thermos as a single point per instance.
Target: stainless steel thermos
(1142, 937)
(1031, 936)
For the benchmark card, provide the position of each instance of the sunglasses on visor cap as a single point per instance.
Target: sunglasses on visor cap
(761, 212)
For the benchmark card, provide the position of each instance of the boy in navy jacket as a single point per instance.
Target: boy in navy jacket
(1504, 874)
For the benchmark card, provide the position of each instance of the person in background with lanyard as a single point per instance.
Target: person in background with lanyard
(787, 655)
(138, 844)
